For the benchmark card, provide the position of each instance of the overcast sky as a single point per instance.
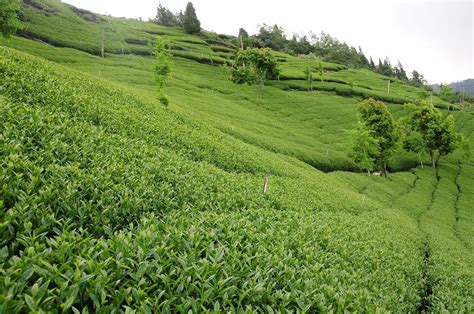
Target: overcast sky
(434, 37)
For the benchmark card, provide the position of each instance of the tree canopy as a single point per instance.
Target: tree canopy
(254, 65)
(428, 128)
(162, 66)
(191, 23)
(167, 18)
(9, 21)
(378, 121)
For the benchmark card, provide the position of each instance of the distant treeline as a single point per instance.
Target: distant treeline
(328, 48)
(323, 46)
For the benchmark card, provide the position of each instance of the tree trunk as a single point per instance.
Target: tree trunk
(437, 161)
(385, 169)
(433, 163)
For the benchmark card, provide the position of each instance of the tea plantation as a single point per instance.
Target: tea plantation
(111, 202)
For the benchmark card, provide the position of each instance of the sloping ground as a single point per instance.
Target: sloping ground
(103, 212)
(111, 201)
(98, 215)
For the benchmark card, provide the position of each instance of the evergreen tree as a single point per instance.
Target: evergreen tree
(379, 66)
(386, 68)
(191, 23)
(165, 17)
(363, 62)
(372, 64)
(243, 33)
(417, 79)
(402, 75)
(9, 21)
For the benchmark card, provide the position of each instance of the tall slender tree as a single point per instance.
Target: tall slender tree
(162, 67)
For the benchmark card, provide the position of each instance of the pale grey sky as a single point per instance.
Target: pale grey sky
(434, 37)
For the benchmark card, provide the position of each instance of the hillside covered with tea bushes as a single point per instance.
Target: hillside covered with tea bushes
(112, 202)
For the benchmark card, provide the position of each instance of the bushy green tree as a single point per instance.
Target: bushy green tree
(272, 37)
(447, 93)
(254, 66)
(413, 142)
(364, 148)
(379, 122)
(162, 67)
(9, 22)
(191, 22)
(437, 132)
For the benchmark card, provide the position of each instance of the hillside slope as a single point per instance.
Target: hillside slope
(110, 201)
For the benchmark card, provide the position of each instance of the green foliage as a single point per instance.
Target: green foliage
(191, 22)
(365, 148)
(436, 133)
(9, 22)
(309, 78)
(254, 66)
(447, 93)
(414, 143)
(166, 18)
(378, 120)
(133, 207)
(162, 66)
(417, 79)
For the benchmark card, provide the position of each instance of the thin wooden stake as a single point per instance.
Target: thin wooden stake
(265, 184)
(102, 50)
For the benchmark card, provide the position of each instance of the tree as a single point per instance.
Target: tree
(414, 143)
(243, 33)
(364, 63)
(165, 17)
(191, 23)
(272, 37)
(320, 71)
(243, 38)
(162, 67)
(308, 73)
(417, 79)
(437, 132)
(401, 74)
(379, 122)
(254, 66)
(372, 64)
(9, 22)
(447, 93)
(385, 68)
(364, 148)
